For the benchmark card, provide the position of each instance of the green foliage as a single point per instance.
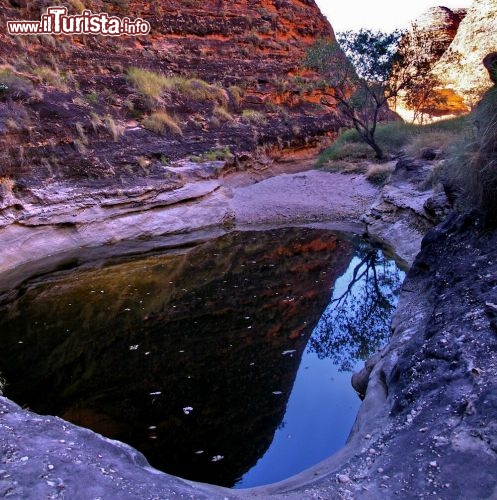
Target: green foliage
(92, 97)
(359, 69)
(394, 137)
(372, 53)
(219, 154)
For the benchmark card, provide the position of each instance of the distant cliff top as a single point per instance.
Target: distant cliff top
(460, 67)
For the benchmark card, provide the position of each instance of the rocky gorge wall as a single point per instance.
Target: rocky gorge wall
(460, 66)
(427, 425)
(233, 83)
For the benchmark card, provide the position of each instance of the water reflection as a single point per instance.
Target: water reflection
(356, 324)
(193, 356)
(322, 407)
(189, 357)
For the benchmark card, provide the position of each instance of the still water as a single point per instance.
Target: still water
(227, 363)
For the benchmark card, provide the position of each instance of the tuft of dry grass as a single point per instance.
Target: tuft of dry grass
(379, 174)
(51, 77)
(440, 140)
(152, 85)
(14, 85)
(115, 130)
(253, 116)
(160, 122)
(222, 114)
(470, 172)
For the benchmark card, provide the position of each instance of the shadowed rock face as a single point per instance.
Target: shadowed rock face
(463, 39)
(128, 349)
(441, 25)
(490, 63)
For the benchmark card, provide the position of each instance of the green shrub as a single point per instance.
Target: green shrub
(92, 97)
(394, 137)
(219, 154)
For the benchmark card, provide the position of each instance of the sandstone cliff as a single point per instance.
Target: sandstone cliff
(234, 84)
(430, 35)
(456, 42)
(460, 67)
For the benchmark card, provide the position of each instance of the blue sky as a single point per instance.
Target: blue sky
(378, 14)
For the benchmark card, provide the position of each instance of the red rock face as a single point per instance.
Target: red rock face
(79, 103)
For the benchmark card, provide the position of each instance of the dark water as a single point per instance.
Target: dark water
(227, 363)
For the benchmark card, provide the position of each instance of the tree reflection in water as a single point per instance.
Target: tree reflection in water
(356, 323)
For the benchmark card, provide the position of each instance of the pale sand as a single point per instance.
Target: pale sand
(312, 195)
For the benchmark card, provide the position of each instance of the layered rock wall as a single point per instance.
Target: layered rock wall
(234, 83)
